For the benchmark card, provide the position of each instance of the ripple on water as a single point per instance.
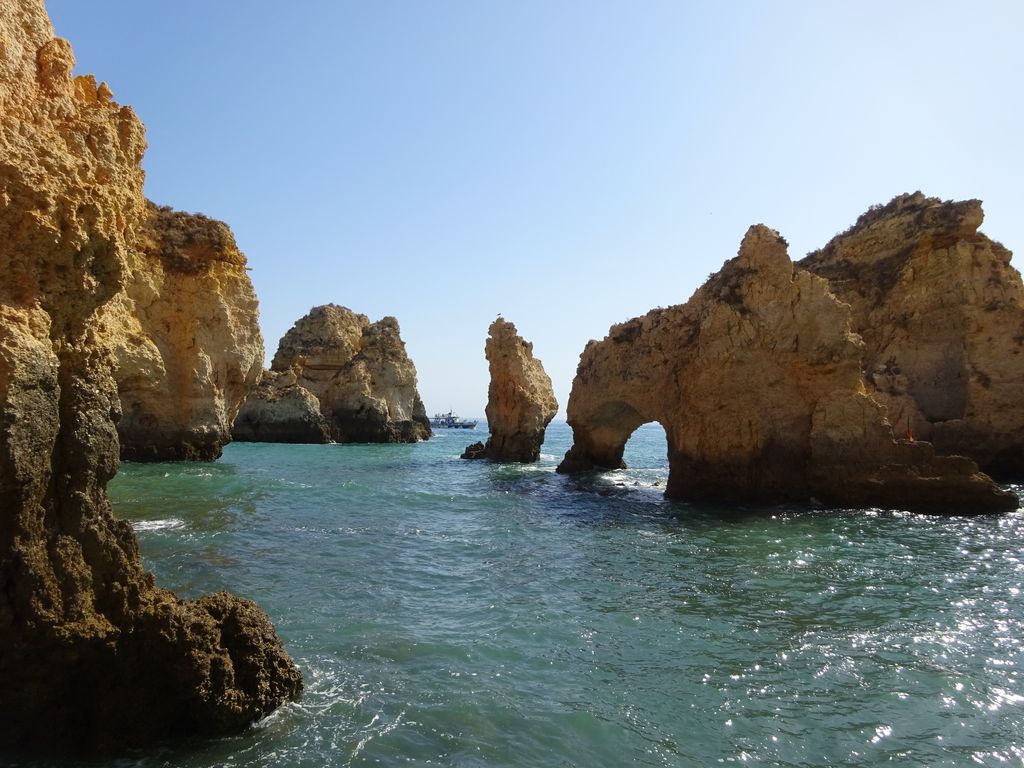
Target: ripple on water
(461, 613)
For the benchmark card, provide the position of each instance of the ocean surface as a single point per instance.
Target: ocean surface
(458, 613)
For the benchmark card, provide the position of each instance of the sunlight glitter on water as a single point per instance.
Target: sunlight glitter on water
(170, 524)
(464, 614)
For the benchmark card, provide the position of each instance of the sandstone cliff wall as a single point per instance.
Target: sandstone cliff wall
(356, 372)
(94, 655)
(190, 349)
(941, 312)
(520, 399)
(757, 382)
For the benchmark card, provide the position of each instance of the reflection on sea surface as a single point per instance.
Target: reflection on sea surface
(459, 613)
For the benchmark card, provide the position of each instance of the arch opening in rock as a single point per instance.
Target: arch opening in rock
(647, 447)
(599, 440)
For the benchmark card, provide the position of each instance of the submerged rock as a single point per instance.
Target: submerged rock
(757, 382)
(941, 312)
(520, 399)
(189, 349)
(355, 373)
(474, 451)
(92, 654)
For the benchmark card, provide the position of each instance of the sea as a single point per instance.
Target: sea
(455, 613)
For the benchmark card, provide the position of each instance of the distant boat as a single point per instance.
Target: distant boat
(451, 421)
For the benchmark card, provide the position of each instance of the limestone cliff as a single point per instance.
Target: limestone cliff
(941, 312)
(189, 350)
(757, 382)
(356, 372)
(520, 399)
(92, 654)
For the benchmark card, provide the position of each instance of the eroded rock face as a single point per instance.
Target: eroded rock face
(757, 382)
(280, 410)
(941, 312)
(94, 655)
(190, 349)
(520, 399)
(356, 372)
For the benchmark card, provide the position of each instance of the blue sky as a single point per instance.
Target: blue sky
(567, 164)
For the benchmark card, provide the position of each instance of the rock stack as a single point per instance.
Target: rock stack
(520, 399)
(337, 377)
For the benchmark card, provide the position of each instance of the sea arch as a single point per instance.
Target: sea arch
(758, 383)
(599, 439)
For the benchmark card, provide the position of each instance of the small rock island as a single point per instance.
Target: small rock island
(336, 377)
(520, 399)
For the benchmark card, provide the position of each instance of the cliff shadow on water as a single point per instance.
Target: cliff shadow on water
(638, 490)
(634, 492)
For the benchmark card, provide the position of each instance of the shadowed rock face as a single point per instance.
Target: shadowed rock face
(189, 349)
(520, 399)
(356, 373)
(92, 654)
(757, 383)
(941, 312)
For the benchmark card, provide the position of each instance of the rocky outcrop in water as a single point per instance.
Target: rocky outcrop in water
(520, 399)
(356, 373)
(941, 312)
(757, 382)
(92, 654)
(189, 350)
(280, 410)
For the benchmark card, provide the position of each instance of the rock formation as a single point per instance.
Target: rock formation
(520, 400)
(189, 350)
(941, 312)
(92, 654)
(280, 410)
(757, 382)
(337, 377)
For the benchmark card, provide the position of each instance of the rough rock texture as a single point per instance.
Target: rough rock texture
(941, 312)
(92, 654)
(189, 350)
(757, 382)
(474, 451)
(520, 399)
(358, 374)
(279, 410)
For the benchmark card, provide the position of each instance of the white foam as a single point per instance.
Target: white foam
(170, 524)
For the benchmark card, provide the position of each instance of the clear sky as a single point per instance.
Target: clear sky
(566, 164)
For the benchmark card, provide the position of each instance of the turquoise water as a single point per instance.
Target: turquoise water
(458, 613)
